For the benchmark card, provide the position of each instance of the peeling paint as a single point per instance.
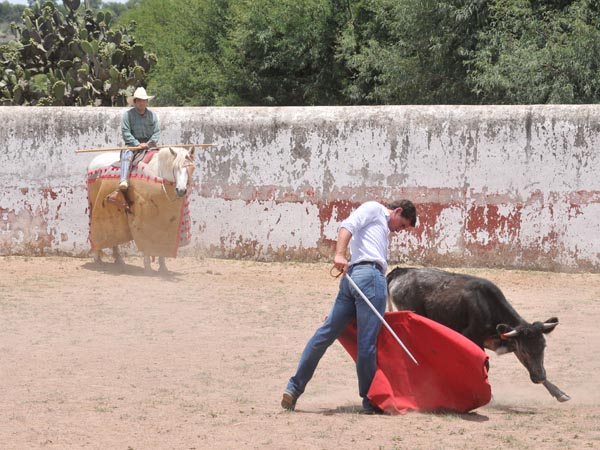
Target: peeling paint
(507, 186)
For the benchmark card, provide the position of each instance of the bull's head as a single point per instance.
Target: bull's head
(528, 343)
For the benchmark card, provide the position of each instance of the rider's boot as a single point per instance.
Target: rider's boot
(124, 184)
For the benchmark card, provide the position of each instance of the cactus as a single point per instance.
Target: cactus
(70, 59)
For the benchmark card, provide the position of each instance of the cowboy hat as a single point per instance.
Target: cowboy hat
(141, 94)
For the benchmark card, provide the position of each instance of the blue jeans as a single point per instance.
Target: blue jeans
(126, 159)
(347, 306)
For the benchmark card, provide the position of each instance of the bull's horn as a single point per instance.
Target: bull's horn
(510, 334)
(547, 326)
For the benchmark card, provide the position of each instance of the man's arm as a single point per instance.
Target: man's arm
(129, 139)
(339, 261)
(155, 132)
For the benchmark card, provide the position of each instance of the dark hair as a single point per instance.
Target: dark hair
(409, 211)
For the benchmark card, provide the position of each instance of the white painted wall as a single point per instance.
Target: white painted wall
(510, 186)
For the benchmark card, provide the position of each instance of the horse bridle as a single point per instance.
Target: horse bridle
(189, 167)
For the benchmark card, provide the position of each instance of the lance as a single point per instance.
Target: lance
(393, 333)
(114, 149)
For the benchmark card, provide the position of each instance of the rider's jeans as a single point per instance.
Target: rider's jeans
(126, 158)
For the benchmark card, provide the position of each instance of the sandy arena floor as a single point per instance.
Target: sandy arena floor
(93, 358)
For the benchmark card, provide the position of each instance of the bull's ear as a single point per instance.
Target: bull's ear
(192, 151)
(550, 324)
(506, 331)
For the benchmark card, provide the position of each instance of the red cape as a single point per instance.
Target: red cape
(451, 375)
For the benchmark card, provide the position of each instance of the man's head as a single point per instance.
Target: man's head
(403, 215)
(140, 99)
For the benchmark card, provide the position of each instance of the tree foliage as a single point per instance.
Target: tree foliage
(332, 52)
(186, 38)
(410, 51)
(9, 12)
(538, 52)
(70, 59)
(243, 52)
(282, 52)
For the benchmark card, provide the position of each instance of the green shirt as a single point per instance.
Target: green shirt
(137, 128)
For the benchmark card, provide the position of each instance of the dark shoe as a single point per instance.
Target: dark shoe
(373, 411)
(288, 401)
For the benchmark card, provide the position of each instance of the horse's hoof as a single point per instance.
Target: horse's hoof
(119, 262)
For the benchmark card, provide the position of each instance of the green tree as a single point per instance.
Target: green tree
(410, 51)
(9, 12)
(186, 37)
(538, 52)
(282, 52)
(70, 59)
(243, 52)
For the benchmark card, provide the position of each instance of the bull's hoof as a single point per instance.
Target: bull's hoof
(119, 261)
(556, 392)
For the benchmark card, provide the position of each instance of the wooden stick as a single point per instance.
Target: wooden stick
(114, 149)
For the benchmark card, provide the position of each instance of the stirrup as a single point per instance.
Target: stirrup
(123, 185)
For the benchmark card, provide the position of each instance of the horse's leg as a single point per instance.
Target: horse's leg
(162, 266)
(97, 257)
(147, 264)
(117, 255)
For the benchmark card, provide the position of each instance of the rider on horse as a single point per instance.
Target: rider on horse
(140, 128)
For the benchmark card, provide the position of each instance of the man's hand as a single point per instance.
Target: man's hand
(340, 263)
(143, 146)
(339, 260)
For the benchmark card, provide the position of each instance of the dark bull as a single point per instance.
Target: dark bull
(477, 309)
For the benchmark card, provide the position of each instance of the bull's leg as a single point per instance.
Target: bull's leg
(117, 255)
(556, 392)
(162, 266)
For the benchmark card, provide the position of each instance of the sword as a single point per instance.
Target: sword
(393, 333)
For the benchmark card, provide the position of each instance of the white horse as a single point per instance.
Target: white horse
(173, 164)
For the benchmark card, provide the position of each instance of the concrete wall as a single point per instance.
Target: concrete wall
(514, 187)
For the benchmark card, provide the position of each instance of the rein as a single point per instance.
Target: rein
(339, 274)
(189, 166)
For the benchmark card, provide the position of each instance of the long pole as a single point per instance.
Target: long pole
(114, 149)
(393, 333)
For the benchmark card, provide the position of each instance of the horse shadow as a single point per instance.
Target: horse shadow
(111, 268)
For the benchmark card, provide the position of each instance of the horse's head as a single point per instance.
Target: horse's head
(176, 164)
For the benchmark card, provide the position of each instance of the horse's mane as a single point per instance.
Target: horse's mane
(164, 157)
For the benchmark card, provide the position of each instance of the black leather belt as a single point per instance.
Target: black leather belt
(368, 263)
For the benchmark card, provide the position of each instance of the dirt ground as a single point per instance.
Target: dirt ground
(94, 358)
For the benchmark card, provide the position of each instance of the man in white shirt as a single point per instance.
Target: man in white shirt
(366, 231)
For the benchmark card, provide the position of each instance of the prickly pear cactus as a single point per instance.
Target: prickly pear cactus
(72, 59)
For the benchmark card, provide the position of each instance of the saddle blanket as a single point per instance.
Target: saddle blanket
(159, 222)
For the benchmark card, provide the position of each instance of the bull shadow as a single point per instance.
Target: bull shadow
(513, 409)
(110, 268)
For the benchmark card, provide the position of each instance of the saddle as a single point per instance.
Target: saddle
(118, 198)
